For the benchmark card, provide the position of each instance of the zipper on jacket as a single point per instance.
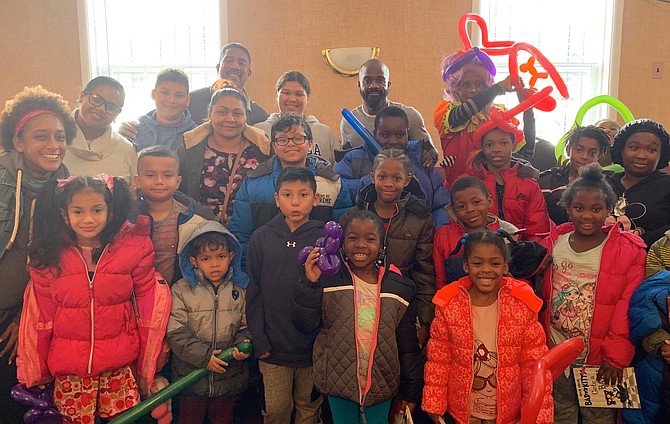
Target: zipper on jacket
(90, 290)
(216, 313)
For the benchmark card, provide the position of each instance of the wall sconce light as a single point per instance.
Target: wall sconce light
(346, 61)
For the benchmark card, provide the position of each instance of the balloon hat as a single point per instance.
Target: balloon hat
(503, 119)
(616, 104)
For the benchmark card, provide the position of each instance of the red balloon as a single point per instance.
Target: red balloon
(548, 66)
(493, 48)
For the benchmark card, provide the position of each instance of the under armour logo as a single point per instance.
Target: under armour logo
(290, 244)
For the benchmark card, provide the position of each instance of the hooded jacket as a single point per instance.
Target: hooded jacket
(16, 205)
(272, 263)
(356, 166)
(409, 245)
(110, 153)
(205, 318)
(151, 133)
(449, 368)
(523, 203)
(76, 325)
(648, 310)
(192, 155)
(325, 141)
(648, 204)
(620, 271)
(329, 307)
(255, 203)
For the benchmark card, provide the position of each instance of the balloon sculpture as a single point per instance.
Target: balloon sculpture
(40, 401)
(612, 101)
(367, 137)
(328, 263)
(511, 48)
(154, 402)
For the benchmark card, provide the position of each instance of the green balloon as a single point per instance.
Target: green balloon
(179, 385)
(612, 101)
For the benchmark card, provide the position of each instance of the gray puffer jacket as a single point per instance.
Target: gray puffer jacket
(205, 318)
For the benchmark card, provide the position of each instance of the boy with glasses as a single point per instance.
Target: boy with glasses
(255, 205)
(97, 148)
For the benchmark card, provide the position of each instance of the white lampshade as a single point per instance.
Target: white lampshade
(346, 61)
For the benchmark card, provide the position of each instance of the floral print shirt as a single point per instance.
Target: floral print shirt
(216, 169)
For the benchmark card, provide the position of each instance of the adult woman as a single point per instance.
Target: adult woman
(293, 91)
(97, 147)
(35, 127)
(642, 147)
(218, 154)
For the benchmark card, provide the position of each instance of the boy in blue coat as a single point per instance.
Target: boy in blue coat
(392, 132)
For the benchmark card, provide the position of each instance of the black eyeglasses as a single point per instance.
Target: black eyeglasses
(297, 140)
(98, 100)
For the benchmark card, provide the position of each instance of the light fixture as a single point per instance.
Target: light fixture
(346, 61)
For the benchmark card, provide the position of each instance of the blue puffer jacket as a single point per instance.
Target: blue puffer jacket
(647, 304)
(356, 165)
(255, 204)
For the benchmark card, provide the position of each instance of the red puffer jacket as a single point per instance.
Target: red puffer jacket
(621, 270)
(523, 203)
(75, 326)
(521, 342)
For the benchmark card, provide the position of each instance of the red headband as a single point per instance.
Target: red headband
(33, 113)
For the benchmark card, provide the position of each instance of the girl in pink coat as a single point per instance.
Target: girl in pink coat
(94, 313)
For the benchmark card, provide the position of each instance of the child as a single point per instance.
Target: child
(255, 204)
(469, 211)
(366, 349)
(173, 214)
(392, 131)
(94, 314)
(611, 128)
(209, 315)
(97, 147)
(469, 91)
(285, 353)
(583, 146)
(594, 273)
(650, 333)
(34, 122)
(166, 124)
(518, 198)
(408, 243)
(293, 91)
(658, 256)
(496, 318)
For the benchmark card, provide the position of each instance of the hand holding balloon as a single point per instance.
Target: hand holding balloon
(41, 401)
(322, 259)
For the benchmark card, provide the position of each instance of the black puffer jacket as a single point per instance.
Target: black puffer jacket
(329, 305)
(409, 245)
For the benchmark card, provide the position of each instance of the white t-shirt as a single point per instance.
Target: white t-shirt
(485, 382)
(574, 277)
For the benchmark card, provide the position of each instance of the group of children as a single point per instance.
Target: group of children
(115, 281)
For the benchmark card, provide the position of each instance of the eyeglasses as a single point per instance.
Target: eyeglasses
(297, 140)
(98, 100)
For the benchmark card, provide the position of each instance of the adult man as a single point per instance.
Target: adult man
(374, 83)
(234, 65)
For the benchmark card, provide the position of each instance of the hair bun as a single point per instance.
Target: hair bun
(592, 172)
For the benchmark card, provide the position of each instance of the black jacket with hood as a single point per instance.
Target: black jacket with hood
(272, 261)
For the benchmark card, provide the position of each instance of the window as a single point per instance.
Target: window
(133, 40)
(576, 36)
